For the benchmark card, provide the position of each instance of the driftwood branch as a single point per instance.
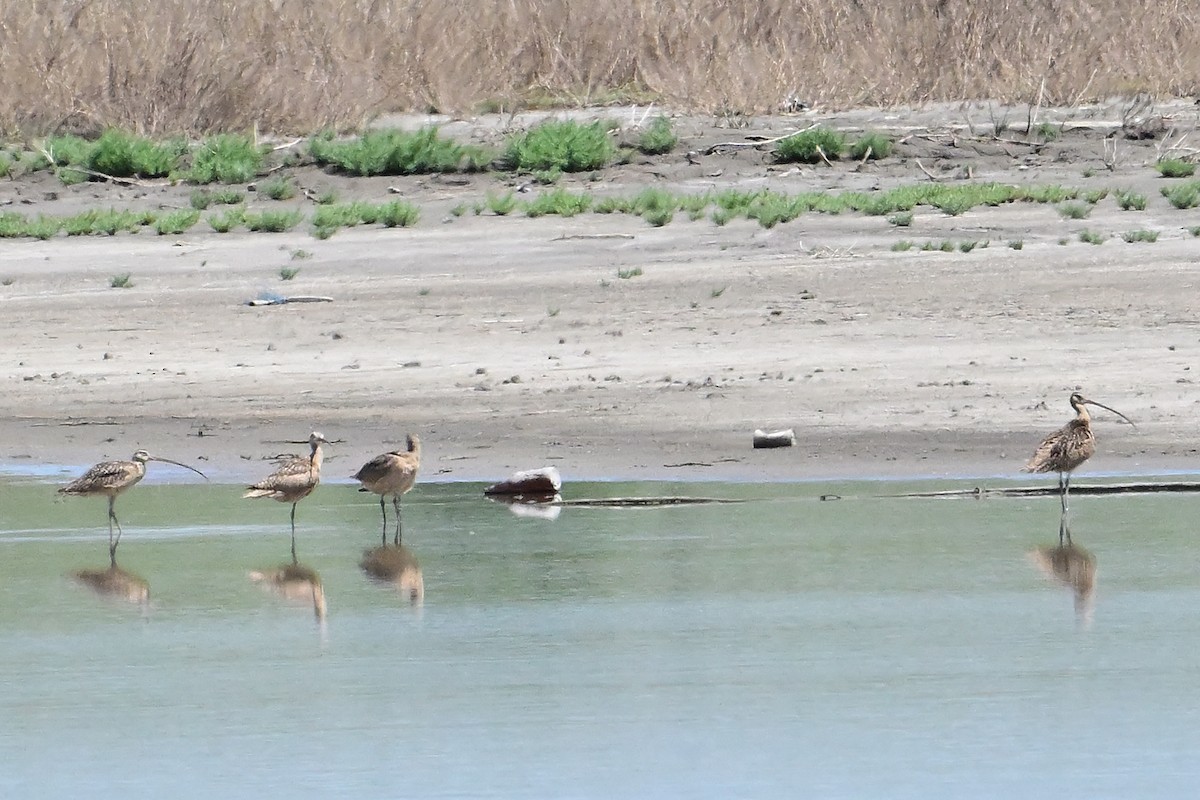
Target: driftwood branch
(712, 148)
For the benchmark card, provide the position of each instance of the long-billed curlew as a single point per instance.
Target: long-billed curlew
(1069, 446)
(391, 473)
(293, 481)
(110, 478)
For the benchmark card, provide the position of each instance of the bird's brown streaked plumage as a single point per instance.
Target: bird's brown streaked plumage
(1069, 446)
(293, 480)
(392, 473)
(110, 478)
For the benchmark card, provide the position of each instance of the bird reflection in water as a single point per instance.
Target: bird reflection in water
(115, 583)
(547, 506)
(396, 565)
(295, 583)
(1071, 566)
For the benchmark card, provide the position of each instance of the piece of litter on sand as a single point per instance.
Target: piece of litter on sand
(273, 299)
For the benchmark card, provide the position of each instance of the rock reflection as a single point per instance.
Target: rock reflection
(295, 583)
(1071, 566)
(534, 506)
(116, 583)
(396, 565)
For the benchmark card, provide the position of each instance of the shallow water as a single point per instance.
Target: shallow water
(782, 646)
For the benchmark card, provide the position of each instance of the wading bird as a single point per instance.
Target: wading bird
(110, 478)
(391, 473)
(1069, 446)
(293, 480)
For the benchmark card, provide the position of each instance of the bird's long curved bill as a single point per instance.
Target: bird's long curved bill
(1113, 410)
(185, 466)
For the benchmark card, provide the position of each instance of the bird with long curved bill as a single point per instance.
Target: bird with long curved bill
(293, 480)
(110, 478)
(1069, 446)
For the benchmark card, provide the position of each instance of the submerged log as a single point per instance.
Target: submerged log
(764, 439)
(1044, 491)
(544, 482)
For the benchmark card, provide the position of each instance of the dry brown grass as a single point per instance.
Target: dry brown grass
(297, 65)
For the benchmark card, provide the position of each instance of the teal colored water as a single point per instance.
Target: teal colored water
(783, 646)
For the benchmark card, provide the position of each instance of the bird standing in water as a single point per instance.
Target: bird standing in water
(1069, 446)
(110, 478)
(391, 473)
(293, 480)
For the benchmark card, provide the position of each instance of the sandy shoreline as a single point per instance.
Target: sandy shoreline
(511, 343)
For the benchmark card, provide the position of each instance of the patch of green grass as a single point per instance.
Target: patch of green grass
(94, 222)
(1175, 168)
(228, 219)
(12, 225)
(398, 214)
(1047, 194)
(278, 188)
(228, 196)
(902, 246)
(43, 227)
(1048, 132)
(1131, 201)
(125, 155)
(1091, 237)
(68, 149)
(274, 220)
(343, 215)
(300, 255)
(1093, 196)
(501, 204)
(658, 217)
(1017, 244)
(626, 274)
(560, 145)
(658, 137)
(966, 247)
(225, 158)
(200, 199)
(954, 205)
(721, 216)
(176, 222)
(395, 152)
(559, 202)
(1194, 230)
(122, 281)
(806, 147)
(1133, 237)
(1185, 195)
(327, 197)
(902, 219)
(287, 273)
(870, 145)
(458, 210)
(715, 293)
(1074, 210)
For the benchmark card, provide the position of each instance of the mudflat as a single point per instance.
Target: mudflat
(613, 349)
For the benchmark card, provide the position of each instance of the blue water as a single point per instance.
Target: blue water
(782, 646)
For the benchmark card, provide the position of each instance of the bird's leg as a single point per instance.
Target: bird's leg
(396, 505)
(112, 543)
(383, 511)
(1062, 529)
(294, 561)
(1062, 491)
(1066, 490)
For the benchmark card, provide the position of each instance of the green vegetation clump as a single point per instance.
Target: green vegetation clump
(872, 146)
(225, 158)
(1131, 201)
(228, 219)
(560, 145)
(273, 221)
(658, 137)
(124, 155)
(398, 214)
(1091, 237)
(1074, 210)
(395, 152)
(278, 188)
(559, 202)
(501, 204)
(176, 222)
(1133, 237)
(1175, 168)
(1185, 195)
(807, 146)
(122, 281)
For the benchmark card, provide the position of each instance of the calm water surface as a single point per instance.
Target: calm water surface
(779, 647)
